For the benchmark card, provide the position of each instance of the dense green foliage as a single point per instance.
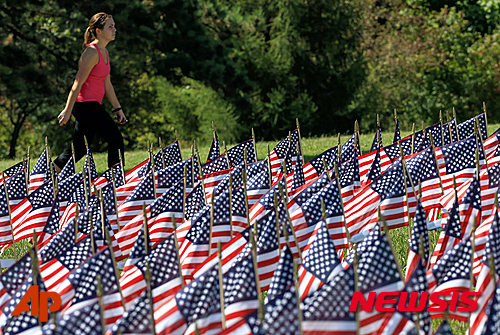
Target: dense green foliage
(178, 64)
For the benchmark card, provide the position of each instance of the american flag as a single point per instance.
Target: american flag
(315, 166)
(136, 319)
(283, 275)
(40, 172)
(422, 169)
(144, 193)
(23, 286)
(377, 272)
(450, 133)
(67, 188)
(307, 212)
(58, 263)
(397, 132)
(298, 179)
(377, 140)
(466, 128)
(195, 248)
(23, 324)
(283, 149)
(492, 322)
(214, 151)
(9, 172)
(386, 192)
(86, 320)
(450, 236)
(418, 233)
(11, 281)
(164, 269)
(170, 155)
(89, 167)
(5, 228)
(326, 311)
(460, 159)
(68, 170)
(452, 273)
(349, 177)
(107, 177)
(258, 184)
(32, 213)
(485, 282)
(320, 262)
(491, 145)
(79, 289)
(403, 321)
(366, 161)
(159, 215)
(236, 154)
(435, 131)
(281, 316)
(51, 225)
(199, 302)
(214, 172)
(349, 149)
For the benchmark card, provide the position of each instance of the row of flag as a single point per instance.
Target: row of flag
(200, 243)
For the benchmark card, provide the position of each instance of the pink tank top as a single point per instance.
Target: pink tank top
(93, 88)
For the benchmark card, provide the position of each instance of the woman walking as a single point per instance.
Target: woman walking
(92, 82)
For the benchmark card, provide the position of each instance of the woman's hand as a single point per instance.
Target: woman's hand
(120, 117)
(63, 117)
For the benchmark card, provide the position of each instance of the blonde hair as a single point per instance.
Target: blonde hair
(96, 22)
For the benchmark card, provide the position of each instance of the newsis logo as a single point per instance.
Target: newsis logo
(415, 301)
(39, 303)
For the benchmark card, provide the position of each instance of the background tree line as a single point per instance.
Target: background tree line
(179, 64)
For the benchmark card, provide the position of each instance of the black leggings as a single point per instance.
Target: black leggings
(91, 120)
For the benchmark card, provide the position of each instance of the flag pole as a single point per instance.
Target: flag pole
(110, 246)
(211, 224)
(100, 293)
(145, 226)
(269, 166)
(253, 244)
(77, 213)
(407, 178)
(245, 191)
(92, 240)
(433, 149)
(28, 168)
(290, 220)
(113, 185)
(348, 235)
(278, 226)
(10, 214)
(53, 177)
(254, 145)
(227, 156)
(85, 190)
(152, 160)
(300, 139)
(162, 153)
(326, 169)
(230, 206)
(473, 242)
(221, 287)
(339, 149)
(479, 139)
(356, 286)
(177, 255)
(296, 284)
(456, 124)
(35, 265)
(413, 138)
(150, 297)
(201, 172)
(449, 125)
(120, 153)
(184, 195)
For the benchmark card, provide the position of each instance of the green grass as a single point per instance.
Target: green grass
(311, 147)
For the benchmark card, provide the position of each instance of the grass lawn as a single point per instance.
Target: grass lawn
(311, 148)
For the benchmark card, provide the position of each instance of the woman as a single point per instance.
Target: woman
(85, 98)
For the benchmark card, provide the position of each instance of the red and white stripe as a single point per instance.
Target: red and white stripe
(211, 180)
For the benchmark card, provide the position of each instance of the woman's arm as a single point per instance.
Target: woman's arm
(111, 95)
(89, 59)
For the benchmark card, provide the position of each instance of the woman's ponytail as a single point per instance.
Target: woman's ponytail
(88, 37)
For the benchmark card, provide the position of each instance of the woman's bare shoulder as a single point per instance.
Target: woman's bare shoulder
(90, 55)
